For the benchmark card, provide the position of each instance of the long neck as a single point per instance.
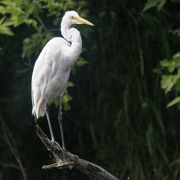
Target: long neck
(64, 29)
(72, 35)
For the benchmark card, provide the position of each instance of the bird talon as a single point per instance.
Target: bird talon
(52, 141)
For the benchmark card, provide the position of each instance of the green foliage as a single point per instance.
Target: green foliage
(18, 12)
(66, 98)
(172, 79)
(125, 107)
(34, 44)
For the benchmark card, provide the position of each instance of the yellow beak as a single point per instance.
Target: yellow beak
(81, 20)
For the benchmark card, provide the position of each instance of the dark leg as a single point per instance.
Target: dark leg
(60, 122)
(49, 122)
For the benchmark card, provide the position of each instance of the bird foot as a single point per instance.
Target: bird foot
(52, 141)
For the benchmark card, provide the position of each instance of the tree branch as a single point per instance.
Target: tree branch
(10, 141)
(42, 23)
(67, 160)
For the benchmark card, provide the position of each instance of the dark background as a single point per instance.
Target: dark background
(117, 117)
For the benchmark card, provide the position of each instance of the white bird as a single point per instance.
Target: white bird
(52, 68)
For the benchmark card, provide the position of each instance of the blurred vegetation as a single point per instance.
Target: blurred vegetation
(117, 115)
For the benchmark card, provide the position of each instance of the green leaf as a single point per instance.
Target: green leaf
(80, 62)
(6, 30)
(19, 19)
(149, 138)
(166, 83)
(55, 101)
(174, 101)
(66, 99)
(176, 1)
(177, 55)
(169, 64)
(8, 22)
(70, 84)
(149, 4)
(3, 27)
(32, 22)
(154, 3)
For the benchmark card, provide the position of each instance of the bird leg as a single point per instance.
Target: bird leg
(60, 118)
(49, 122)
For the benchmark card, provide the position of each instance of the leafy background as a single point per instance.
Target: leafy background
(121, 109)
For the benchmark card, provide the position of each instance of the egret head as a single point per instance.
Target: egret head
(72, 17)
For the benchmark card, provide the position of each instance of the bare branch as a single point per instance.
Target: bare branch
(9, 165)
(66, 159)
(42, 23)
(10, 141)
(11, 100)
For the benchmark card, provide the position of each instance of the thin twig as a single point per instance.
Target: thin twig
(42, 23)
(10, 141)
(66, 159)
(9, 165)
(15, 99)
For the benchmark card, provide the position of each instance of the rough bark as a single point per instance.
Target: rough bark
(66, 159)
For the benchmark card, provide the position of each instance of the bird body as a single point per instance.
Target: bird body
(51, 72)
(52, 68)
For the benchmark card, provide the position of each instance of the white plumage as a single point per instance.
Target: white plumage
(52, 68)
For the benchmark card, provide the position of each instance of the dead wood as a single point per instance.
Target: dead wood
(66, 159)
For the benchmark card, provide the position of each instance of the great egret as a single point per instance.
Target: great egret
(52, 68)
